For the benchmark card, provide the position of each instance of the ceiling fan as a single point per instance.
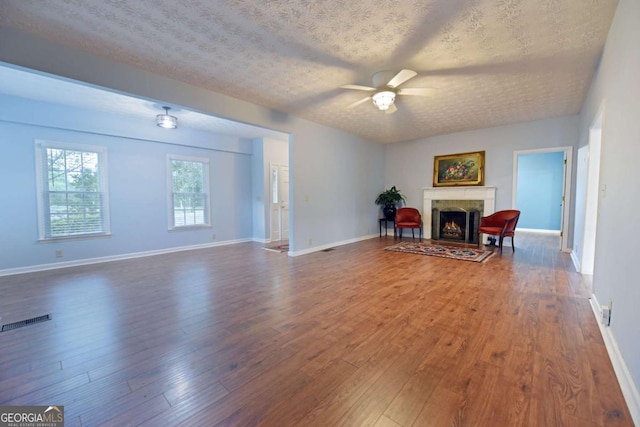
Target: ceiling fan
(385, 93)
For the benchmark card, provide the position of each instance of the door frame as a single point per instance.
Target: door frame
(566, 190)
(593, 193)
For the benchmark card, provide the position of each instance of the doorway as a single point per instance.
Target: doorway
(279, 202)
(541, 188)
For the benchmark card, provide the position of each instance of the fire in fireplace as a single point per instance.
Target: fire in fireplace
(452, 230)
(455, 225)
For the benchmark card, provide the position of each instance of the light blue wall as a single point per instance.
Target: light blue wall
(539, 191)
(409, 165)
(616, 86)
(336, 180)
(257, 190)
(137, 183)
(331, 200)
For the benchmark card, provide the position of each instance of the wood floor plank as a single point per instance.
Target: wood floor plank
(377, 398)
(384, 421)
(441, 409)
(238, 336)
(91, 396)
(293, 410)
(516, 388)
(333, 408)
(605, 407)
(142, 411)
(195, 398)
(39, 394)
(435, 366)
(265, 393)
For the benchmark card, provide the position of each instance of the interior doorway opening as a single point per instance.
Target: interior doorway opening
(279, 195)
(544, 185)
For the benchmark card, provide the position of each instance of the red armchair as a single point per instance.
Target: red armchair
(408, 218)
(501, 224)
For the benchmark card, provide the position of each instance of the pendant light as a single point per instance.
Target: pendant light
(167, 121)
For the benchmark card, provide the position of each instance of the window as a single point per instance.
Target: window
(189, 192)
(72, 190)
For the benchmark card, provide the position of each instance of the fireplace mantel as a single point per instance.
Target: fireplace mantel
(486, 194)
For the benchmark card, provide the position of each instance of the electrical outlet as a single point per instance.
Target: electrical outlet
(606, 314)
(59, 253)
(310, 241)
(213, 236)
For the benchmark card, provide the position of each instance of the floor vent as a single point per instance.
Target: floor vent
(20, 324)
(329, 250)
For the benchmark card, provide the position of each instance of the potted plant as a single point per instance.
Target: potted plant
(389, 199)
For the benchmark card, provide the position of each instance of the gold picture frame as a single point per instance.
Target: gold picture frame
(458, 169)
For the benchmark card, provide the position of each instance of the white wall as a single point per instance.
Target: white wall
(582, 169)
(410, 164)
(615, 277)
(335, 176)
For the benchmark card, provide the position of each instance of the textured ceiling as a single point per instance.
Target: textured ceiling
(492, 62)
(16, 82)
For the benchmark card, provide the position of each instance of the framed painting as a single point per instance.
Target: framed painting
(458, 169)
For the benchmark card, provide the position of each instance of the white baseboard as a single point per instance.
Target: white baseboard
(332, 245)
(539, 231)
(576, 261)
(87, 261)
(629, 388)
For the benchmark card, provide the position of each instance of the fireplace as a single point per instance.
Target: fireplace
(476, 201)
(454, 224)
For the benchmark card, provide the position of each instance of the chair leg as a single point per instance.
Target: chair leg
(501, 239)
(413, 233)
(513, 247)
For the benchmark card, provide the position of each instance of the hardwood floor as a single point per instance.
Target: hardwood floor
(240, 336)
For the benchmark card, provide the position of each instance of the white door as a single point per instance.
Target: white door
(279, 202)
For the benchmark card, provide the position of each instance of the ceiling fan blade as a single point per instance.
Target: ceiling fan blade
(392, 109)
(357, 87)
(355, 104)
(417, 91)
(401, 77)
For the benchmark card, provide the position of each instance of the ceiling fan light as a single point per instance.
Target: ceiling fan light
(166, 121)
(384, 99)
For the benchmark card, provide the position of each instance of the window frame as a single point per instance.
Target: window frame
(42, 188)
(206, 191)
